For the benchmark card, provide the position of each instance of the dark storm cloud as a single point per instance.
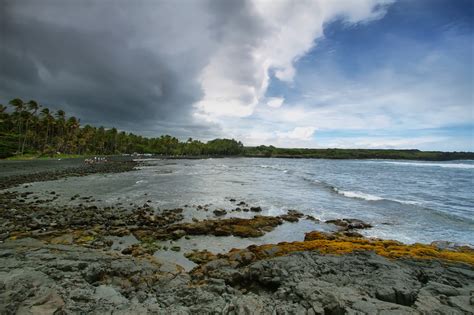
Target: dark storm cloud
(108, 62)
(189, 67)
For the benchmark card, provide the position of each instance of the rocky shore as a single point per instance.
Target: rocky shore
(64, 260)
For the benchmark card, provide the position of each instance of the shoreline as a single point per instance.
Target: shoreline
(76, 242)
(352, 155)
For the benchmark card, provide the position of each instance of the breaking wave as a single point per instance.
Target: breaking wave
(444, 165)
(357, 195)
(369, 197)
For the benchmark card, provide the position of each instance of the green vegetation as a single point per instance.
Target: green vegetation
(39, 156)
(29, 130)
(271, 151)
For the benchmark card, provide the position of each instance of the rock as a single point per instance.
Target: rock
(348, 224)
(175, 248)
(200, 257)
(287, 278)
(254, 227)
(219, 212)
(51, 303)
(317, 235)
(289, 218)
(127, 251)
(178, 234)
(4, 236)
(350, 233)
(65, 239)
(447, 245)
(311, 218)
(108, 294)
(292, 216)
(255, 209)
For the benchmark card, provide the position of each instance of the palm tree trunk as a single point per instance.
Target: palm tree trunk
(24, 138)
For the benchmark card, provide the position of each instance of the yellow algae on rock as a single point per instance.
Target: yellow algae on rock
(338, 244)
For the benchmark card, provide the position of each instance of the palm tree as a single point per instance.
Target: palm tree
(3, 116)
(72, 125)
(48, 120)
(32, 107)
(60, 123)
(19, 107)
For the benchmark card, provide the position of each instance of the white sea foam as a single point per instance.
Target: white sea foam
(357, 195)
(444, 165)
(407, 202)
(369, 197)
(273, 167)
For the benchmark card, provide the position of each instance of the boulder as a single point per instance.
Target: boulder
(219, 212)
(256, 209)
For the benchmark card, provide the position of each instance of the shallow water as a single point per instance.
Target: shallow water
(409, 201)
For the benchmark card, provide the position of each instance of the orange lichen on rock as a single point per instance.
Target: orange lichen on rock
(327, 243)
(200, 257)
(337, 243)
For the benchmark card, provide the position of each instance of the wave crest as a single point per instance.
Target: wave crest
(357, 195)
(443, 165)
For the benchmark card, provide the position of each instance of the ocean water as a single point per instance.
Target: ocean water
(410, 201)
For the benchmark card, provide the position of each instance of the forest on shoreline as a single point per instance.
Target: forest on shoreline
(27, 128)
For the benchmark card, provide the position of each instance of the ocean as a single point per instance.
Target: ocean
(409, 201)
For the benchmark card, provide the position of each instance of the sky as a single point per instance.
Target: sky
(319, 73)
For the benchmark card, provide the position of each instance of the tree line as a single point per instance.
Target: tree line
(271, 151)
(29, 128)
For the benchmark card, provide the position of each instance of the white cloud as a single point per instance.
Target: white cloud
(269, 36)
(299, 133)
(383, 142)
(275, 102)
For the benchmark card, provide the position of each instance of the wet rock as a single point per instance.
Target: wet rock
(175, 248)
(349, 224)
(139, 250)
(177, 234)
(255, 209)
(219, 212)
(292, 216)
(447, 245)
(255, 227)
(200, 257)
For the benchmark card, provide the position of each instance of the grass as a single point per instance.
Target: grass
(28, 157)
